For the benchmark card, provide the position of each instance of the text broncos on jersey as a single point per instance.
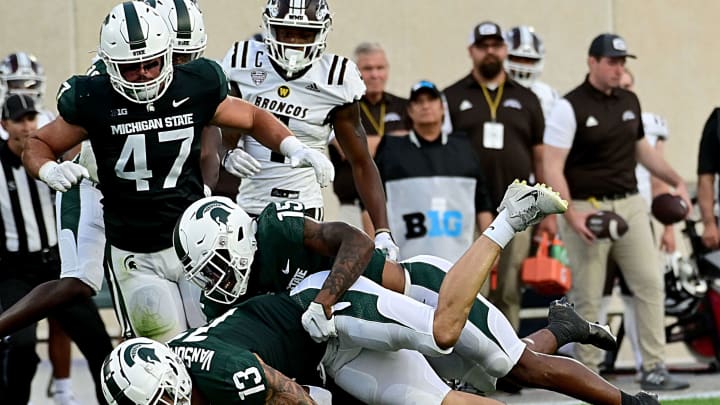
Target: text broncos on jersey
(155, 123)
(281, 107)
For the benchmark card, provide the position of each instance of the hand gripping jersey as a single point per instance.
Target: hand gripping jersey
(303, 103)
(148, 154)
(220, 356)
(282, 261)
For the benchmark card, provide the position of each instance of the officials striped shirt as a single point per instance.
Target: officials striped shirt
(27, 207)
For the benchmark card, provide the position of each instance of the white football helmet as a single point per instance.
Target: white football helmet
(23, 74)
(525, 54)
(134, 33)
(683, 285)
(306, 14)
(215, 241)
(186, 24)
(145, 372)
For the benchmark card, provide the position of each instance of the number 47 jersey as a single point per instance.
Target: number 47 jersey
(148, 155)
(304, 103)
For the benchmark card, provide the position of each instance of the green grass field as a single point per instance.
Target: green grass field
(704, 401)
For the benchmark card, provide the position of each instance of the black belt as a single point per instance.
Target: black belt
(614, 196)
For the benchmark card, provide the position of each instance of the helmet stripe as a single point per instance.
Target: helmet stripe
(151, 3)
(134, 29)
(184, 28)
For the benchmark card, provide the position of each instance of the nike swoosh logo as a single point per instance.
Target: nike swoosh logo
(533, 193)
(178, 103)
(286, 270)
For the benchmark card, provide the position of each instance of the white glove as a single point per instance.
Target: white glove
(317, 324)
(240, 163)
(207, 191)
(61, 177)
(302, 156)
(385, 242)
(320, 395)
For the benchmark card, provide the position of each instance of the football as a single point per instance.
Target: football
(668, 208)
(606, 224)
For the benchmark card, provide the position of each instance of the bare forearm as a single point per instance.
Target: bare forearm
(369, 186)
(354, 252)
(209, 159)
(268, 130)
(35, 154)
(706, 198)
(283, 390)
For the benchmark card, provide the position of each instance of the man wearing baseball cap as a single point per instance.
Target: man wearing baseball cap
(504, 122)
(431, 172)
(593, 141)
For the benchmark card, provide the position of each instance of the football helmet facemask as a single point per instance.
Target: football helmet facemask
(524, 44)
(23, 74)
(145, 372)
(130, 36)
(215, 241)
(187, 27)
(307, 14)
(683, 285)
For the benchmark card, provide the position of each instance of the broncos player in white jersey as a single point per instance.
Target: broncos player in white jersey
(23, 74)
(314, 93)
(525, 62)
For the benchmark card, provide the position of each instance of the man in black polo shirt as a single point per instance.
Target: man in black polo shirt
(504, 121)
(435, 187)
(593, 141)
(708, 167)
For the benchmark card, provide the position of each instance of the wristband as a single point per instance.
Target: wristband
(381, 230)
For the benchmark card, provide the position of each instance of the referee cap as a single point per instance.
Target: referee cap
(18, 105)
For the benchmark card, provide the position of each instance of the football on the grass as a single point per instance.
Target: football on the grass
(606, 224)
(669, 208)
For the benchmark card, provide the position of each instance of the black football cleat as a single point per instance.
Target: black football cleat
(568, 326)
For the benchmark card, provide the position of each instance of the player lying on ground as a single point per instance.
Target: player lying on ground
(207, 240)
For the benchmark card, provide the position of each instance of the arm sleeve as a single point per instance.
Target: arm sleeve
(709, 155)
(67, 100)
(223, 87)
(561, 125)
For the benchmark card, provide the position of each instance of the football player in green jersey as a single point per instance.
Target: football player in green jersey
(144, 120)
(81, 234)
(248, 355)
(231, 256)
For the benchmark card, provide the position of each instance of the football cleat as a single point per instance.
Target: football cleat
(528, 205)
(568, 326)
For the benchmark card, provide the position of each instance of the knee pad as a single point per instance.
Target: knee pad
(154, 314)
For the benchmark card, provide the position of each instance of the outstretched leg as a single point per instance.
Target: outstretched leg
(521, 207)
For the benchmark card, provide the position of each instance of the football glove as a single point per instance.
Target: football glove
(385, 242)
(240, 163)
(61, 177)
(302, 156)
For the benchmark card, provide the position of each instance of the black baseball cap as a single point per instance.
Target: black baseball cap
(486, 29)
(426, 87)
(610, 45)
(18, 105)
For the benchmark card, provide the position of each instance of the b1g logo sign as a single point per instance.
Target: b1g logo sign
(433, 224)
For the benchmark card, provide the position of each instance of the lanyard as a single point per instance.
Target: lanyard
(493, 104)
(379, 127)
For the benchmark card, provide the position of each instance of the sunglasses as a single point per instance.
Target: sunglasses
(136, 67)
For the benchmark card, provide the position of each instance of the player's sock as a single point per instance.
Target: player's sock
(500, 230)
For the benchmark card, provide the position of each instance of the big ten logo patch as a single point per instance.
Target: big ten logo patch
(437, 222)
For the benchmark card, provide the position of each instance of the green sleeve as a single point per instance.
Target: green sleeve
(67, 99)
